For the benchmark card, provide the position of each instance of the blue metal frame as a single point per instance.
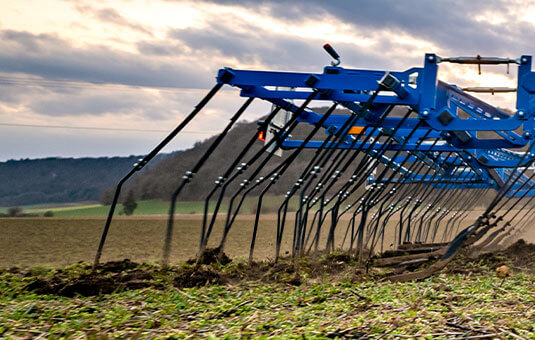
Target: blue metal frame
(436, 106)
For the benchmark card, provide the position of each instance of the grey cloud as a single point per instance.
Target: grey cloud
(161, 48)
(267, 48)
(84, 102)
(92, 104)
(106, 100)
(189, 58)
(12, 93)
(49, 56)
(451, 25)
(29, 42)
(75, 109)
(112, 16)
(39, 143)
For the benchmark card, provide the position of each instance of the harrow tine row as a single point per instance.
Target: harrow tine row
(332, 173)
(189, 175)
(273, 176)
(141, 164)
(400, 169)
(223, 181)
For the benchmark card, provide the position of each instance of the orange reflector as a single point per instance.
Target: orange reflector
(261, 136)
(356, 130)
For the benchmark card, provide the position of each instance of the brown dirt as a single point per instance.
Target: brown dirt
(124, 275)
(211, 255)
(57, 242)
(196, 277)
(286, 270)
(520, 255)
(107, 278)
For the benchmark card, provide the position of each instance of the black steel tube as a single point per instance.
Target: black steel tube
(146, 160)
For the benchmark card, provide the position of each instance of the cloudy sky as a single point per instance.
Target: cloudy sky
(113, 77)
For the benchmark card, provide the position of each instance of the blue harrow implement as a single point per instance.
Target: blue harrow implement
(400, 155)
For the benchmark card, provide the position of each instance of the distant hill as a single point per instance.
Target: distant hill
(161, 180)
(61, 180)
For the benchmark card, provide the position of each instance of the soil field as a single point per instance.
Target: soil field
(329, 296)
(62, 241)
(325, 297)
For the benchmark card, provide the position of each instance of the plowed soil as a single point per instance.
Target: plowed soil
(216, 268)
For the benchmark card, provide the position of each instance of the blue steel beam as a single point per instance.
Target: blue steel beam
(436, 104)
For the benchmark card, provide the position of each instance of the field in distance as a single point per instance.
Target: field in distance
(149, 207)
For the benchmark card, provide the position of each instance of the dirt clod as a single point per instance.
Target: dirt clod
(196, 277)
(117, 266)
(520, 255)
(210, 269)
(503, 272)
(107, 278)
(211, 255)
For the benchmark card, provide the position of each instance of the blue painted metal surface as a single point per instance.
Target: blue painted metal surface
(447, 117)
